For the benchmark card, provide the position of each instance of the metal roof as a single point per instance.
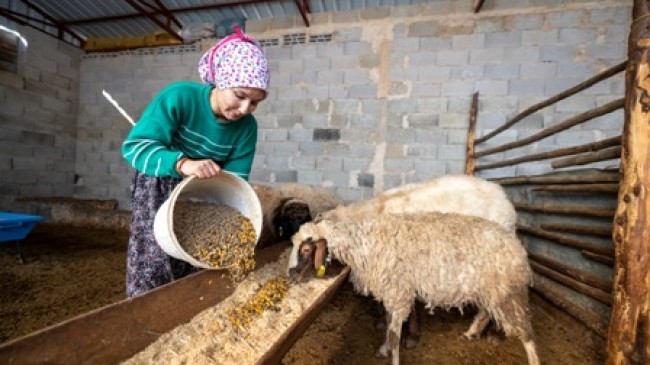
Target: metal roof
(76, 21)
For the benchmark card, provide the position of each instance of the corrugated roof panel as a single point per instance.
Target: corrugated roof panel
(74, 11)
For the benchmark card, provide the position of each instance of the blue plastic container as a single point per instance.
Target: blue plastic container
(15, 227)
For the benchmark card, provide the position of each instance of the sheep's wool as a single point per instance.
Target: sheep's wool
(209, 338)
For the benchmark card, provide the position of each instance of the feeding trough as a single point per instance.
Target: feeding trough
(14, 227)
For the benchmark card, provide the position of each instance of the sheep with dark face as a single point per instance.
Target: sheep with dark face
(286, 206)
(459, 260)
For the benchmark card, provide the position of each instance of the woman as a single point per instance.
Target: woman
(191, 129)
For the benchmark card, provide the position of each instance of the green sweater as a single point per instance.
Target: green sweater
(178, 123)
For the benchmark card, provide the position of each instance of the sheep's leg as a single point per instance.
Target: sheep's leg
(413, 331)
(385, 347)
(517, 322)
(531, 352)
(393, 333)
(481, 321)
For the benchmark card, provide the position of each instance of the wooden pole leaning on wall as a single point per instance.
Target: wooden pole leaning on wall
(575, 228)
(611, 188)
(594, 177)
(563, 209)
(587, 317)
(563, 95)
(565, 241)
(571, 122)
(471, 136)
(576, 274)
(596, 257)
(628, 336)
(602, 155)
(571, 283)
(589, 147)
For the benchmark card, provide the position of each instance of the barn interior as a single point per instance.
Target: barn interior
(547, 98)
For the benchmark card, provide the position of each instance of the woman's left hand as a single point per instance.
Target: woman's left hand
(200, 168)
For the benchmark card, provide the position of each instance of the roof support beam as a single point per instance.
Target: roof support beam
(27, 20)
(303, 6)
(477, 5)
(138, 5)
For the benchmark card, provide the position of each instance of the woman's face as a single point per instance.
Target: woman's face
(234, 103)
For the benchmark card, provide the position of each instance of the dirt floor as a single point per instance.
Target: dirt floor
(71, 270)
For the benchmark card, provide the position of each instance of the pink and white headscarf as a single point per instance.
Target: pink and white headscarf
(235, 61)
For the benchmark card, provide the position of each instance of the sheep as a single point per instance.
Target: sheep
(286, 206)
(461, 260)
(319, 199)
(460, 194)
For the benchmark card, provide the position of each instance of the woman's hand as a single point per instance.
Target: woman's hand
(199, 168)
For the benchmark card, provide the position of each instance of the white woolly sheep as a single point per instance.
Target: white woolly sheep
(286, 206)
(461, 260)
(462, 194)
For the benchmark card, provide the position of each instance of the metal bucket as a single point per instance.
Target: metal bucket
(225, 188)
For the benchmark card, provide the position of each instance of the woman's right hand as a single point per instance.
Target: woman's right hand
(199, 168)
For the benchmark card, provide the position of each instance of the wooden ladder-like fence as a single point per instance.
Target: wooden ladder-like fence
(628, 293)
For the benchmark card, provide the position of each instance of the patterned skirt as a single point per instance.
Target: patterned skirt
(148, 266)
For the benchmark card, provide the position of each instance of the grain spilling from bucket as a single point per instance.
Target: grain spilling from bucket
(217, 235)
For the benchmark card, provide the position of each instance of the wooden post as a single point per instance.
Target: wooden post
(628, 336)
(470, 161)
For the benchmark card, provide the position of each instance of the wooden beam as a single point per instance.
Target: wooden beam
(579, 275)
(574, 228)
(586, 188)
(471, 136)
(571, 283)
(571, 122)
(585, 316)
(563, 209)
(596, 257)
(114, 333)
(563, 95)
(295, 332)
(587, 158)
(594, 146)
(565, 241)
(562, 178)
(628, 338)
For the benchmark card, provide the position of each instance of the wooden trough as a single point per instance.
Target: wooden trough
(117, 332)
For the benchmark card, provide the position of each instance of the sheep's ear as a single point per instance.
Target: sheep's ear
(320, 255)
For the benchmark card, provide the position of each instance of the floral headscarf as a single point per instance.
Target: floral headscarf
(236, 61)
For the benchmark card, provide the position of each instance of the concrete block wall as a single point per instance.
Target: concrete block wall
(131, 78)
(380, 97)
(38, 120)
(386, 102)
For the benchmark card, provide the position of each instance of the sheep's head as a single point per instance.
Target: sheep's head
(291, 214)
(309, 255)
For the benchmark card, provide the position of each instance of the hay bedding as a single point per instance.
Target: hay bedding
(211, 338)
